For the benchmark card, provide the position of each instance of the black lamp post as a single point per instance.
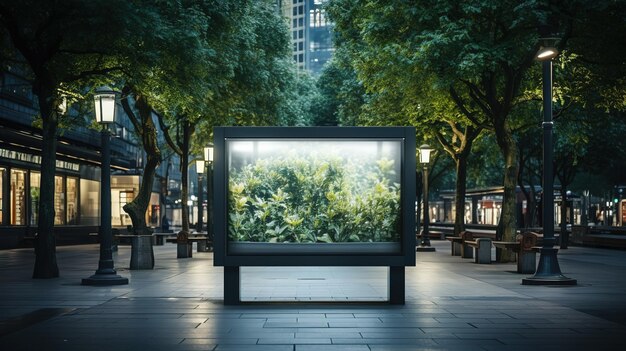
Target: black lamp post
(424, 155)
(104, 100)
(200, 171)
(208, 157)
(548, 271)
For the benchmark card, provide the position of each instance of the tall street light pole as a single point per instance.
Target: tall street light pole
(208, 157)
(200, 171)
(105, 275)
(548, 271)
(424, 155)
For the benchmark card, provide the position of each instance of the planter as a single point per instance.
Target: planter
(142, 256)
(184, 250)
(253, 248)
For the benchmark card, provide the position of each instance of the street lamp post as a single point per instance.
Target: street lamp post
(200, 171)
(424, 155)
(105, 275)
(548, 271)
(208, 157)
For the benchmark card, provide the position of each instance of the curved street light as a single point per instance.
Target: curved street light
(548, 271)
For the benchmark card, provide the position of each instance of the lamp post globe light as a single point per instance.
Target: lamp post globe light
(548, 271)
(104, 104)
(200, 171)
(424, 158)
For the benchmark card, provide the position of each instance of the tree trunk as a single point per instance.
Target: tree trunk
(461, 189)
(184, 170)
(507, 227)
(45, 243)
(137, 208)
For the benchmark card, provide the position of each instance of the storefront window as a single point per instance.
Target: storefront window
(72, 200)
(59, 201)
(35, 179)
(154, 211)
(18, 200)
(125, 197)
(89, 202)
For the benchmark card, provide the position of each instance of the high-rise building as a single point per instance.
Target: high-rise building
(311, 33)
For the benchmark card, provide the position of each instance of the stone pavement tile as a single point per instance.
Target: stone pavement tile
(221, 341)
(254, 348)
(467, 342)
(396, 334)
(425, 348)
(332, 348)
(330, 333)
(293, 341)
(295, 324)
(495, 335)
(417, 342)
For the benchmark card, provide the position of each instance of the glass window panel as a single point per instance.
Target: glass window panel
(59, 200)
(35, 181)
(124, 198)
(72, 200)
(18, 197)
(153, 212)
(89, 202)
(317, 191)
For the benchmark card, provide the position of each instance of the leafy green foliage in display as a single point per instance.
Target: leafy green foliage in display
(314, 199)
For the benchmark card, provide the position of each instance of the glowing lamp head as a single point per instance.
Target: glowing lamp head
(208, 153)
(104, 105)
(425, 151)
(547, 53)
(200, 166)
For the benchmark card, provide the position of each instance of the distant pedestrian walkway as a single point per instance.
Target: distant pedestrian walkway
(452, 304)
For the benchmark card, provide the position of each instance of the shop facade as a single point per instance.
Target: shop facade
(76, 199)
(77, 176)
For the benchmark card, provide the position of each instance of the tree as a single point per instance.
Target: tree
(388, 71)
(248, 79)
(480, 52)
(171, 72)
(49, 38)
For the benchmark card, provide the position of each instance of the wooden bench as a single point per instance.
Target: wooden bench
(482, 249)
(159, 238)
(455, 242)
(201, 241)
(459, 247)
(525, 246)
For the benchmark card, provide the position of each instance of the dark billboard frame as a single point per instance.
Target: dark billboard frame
(396, 262)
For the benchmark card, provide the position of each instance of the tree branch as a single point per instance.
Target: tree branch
(168, 138)
(126, 91)
(94, 72)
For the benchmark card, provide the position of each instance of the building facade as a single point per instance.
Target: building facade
(77, 179)
(311, 33)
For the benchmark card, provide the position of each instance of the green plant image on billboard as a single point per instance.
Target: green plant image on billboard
(314, 192)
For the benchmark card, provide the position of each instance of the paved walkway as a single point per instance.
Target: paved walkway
(452, 304)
